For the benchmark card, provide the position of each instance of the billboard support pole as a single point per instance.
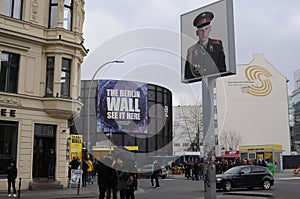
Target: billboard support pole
(110, 140)
(209, 137)
(88, 101)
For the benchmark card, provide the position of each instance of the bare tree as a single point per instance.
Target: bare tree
(230, 140)
(188, 125)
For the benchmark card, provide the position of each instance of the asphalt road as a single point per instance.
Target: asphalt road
(284, 188)
(288, 188)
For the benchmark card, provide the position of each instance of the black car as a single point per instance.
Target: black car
(245, 176)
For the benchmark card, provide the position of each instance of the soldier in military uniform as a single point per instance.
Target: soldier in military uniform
(207, 56)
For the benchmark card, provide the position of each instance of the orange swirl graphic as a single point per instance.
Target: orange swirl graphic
(262, 85)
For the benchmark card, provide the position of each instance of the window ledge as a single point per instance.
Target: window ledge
(62, 108)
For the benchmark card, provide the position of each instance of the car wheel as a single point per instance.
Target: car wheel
(163, 177)
(227, 186)
(266, 185)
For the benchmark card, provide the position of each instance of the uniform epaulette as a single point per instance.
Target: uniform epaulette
(192, 48)
(216, 41)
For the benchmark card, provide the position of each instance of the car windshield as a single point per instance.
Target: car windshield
(233, 170)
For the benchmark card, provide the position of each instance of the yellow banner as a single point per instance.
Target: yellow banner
(268, 147)
(75, 146)
(130, 148)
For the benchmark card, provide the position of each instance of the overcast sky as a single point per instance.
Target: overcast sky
(271, 27)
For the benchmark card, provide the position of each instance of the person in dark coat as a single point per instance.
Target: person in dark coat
(84, 168)
(107, 177)
(74, 164)
(122, 177)
(132, 187)
(51, 163)
(12, 173)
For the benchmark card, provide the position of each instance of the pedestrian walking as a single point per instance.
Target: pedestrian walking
(84, 167)
(90, 171)
(122, 178)
(107, 178)
(196, 169)
(156, 171)
(188, 168)
(102, 168)
(12, 173)
(112, 181)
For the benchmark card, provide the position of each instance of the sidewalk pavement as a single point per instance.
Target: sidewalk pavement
(91, 191)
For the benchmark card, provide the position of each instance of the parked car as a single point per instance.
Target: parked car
(245, 176)
(146, 171)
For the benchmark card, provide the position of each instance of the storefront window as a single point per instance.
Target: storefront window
(8, 145)
(269, 157)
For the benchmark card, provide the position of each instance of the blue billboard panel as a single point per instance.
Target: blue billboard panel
(121, 106)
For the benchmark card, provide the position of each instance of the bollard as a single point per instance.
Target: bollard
(78, 186)
(19, 191)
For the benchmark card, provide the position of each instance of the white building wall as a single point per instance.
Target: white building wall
(297, 79)
(255, 105)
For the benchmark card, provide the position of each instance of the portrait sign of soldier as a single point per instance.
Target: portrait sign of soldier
(206, 57)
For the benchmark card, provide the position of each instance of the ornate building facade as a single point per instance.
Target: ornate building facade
(41, 47)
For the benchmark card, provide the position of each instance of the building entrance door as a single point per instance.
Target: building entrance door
(43, 142)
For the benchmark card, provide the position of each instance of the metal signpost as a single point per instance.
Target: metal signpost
(209, 137)
(207, 55)
(88, 101)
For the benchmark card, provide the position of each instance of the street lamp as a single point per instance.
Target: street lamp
(88, 103)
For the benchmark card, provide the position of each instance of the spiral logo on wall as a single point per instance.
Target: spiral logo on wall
(260, 77)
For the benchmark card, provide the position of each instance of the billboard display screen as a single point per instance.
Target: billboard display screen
(121, 106)
(207, 42)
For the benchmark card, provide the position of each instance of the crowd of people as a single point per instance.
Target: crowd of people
(114, 176)
(194, 170)
(222, 166)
